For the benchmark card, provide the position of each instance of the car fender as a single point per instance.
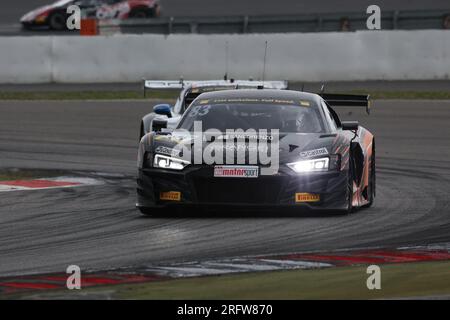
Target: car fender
(147, 121)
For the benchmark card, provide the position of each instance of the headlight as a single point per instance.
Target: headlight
(165, 162)
(313, 165)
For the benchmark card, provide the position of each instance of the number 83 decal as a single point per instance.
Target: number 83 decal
(199, 111)
(112, 12)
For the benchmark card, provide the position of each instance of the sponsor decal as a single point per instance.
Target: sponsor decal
(220, 88)
(112, 11)
(166, 151)
(307, 197)
(236, 171)
(170, 196)
(254, 100)
(243, 136)
(305, 103)
(314, 153)
(241, 148)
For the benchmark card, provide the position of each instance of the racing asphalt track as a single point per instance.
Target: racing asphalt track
(98, 226)
(11, 11)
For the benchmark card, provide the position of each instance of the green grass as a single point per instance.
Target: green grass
(8, 175)
(163, 95)
(412, 279)
(425, 279)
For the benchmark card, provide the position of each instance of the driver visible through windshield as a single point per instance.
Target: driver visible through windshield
(290, 118)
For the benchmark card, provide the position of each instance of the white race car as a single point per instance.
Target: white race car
(167, 116)
(54, 16)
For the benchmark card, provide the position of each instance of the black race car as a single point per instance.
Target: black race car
(259, 149)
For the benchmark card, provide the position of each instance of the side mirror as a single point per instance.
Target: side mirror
(163, 110)
(159, 125)
(350, 125)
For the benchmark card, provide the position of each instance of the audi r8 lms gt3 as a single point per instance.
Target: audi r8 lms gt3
(166, 116)
(55, 15)
(259, 149)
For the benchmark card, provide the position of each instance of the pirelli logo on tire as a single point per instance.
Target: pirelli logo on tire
(170, 196)
(307, 197)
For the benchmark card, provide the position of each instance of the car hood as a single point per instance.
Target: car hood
(292, 146)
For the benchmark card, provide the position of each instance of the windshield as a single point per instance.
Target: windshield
(285, 118)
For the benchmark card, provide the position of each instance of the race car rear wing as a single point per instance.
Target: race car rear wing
(180, 84)
(347, 100)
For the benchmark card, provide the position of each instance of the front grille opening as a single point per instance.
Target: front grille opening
(236, 190)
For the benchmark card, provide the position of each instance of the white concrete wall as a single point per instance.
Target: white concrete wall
(367, 55)
(25, 60)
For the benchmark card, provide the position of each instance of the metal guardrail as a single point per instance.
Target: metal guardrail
(392, 20)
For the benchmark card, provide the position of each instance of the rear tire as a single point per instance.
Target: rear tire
(141, 13)
(57, 21)
(372, 181)
(351, 179)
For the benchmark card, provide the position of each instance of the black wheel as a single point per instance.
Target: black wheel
(351, 179)
(349, 191)
(141, 13)
(372, 181)
(57, 21)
